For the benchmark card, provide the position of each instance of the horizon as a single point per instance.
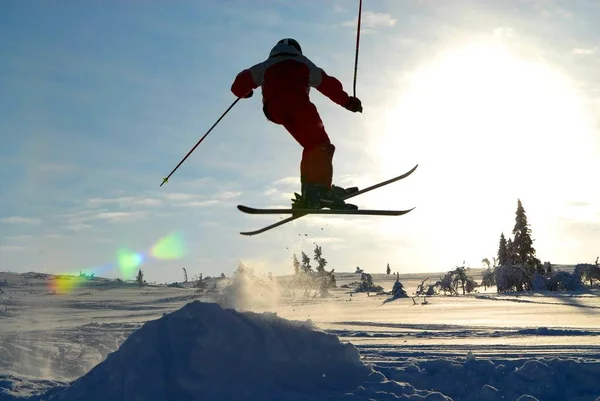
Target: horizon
(260, 273)
(102, 101)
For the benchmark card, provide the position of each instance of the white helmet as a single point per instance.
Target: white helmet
(287, 46)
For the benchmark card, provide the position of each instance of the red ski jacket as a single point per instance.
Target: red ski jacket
(288, 73)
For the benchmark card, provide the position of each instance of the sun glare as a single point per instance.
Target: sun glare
(487, 127)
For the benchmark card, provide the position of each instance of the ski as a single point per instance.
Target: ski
(362, 191)
(302, 212)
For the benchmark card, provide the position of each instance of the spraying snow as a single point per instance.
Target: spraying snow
(248, 291)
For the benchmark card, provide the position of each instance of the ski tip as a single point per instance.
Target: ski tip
(245, 209)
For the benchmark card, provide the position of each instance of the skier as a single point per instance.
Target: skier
(286, 77)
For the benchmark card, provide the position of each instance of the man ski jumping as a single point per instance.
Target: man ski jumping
(286, 77)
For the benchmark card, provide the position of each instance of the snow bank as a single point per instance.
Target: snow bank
(205, 352)
(473, 379)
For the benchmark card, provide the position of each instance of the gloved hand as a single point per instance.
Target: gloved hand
(249, 95)
(354, 105)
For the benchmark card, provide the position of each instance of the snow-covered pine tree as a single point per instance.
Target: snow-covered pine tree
(296, 265)
(321, 262)
(511, 256)
(306, 267)
(140, 278)
(502, 251)
(398, 290)
(522, 243)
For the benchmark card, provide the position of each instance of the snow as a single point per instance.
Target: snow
(102, 340)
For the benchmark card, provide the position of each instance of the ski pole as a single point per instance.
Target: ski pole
(357, 43)
(166, 179)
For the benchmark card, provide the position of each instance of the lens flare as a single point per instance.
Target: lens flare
(128, 261)
(64, 284)
(169, 247)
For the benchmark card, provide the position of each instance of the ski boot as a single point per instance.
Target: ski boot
(316, 196)
(334, 198)
(310, 198)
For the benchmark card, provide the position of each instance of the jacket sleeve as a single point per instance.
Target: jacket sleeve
(243, 83)
(333, 89)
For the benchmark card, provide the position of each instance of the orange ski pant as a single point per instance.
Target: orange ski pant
(301, 119)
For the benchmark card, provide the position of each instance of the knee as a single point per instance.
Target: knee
(326, 149)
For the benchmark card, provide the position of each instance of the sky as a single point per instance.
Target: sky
(496, 100)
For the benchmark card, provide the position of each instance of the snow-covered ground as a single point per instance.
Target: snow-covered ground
(98, 339)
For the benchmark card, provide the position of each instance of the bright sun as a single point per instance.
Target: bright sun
(487, 127)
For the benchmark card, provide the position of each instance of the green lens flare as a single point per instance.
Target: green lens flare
(128, 260)
(169, 247)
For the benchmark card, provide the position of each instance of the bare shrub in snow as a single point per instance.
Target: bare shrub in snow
(454, 279)
(425, 288)
(489, 278)
(446, 284)
(460, 278)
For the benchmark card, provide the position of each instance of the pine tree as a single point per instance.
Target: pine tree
(296, 265)
(502, 251)
(140, 278)
(523, 250)
(306, 268)
(510, 253)
(321, 262)
(388, 270)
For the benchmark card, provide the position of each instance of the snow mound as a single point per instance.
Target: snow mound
(474, 379)
(205, 352)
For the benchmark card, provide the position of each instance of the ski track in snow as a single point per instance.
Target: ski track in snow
(544, 344)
